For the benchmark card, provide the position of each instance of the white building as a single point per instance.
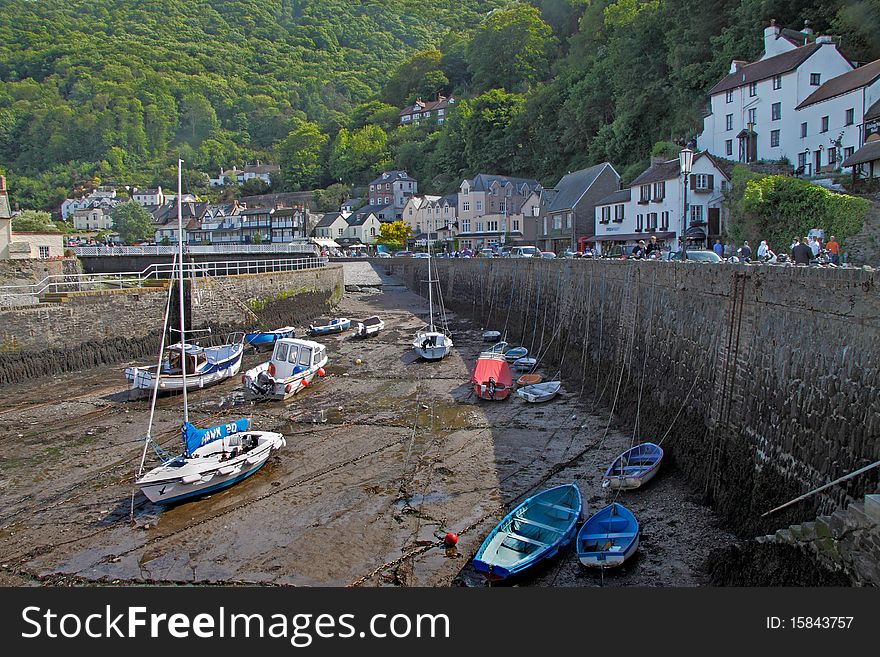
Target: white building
(96, 197)
(654, 205)
(332, 225)
(429, 214)
(236, 176)
(393, 188)
(754, 110)
(95, 218)
(148, 197)
(363, 228)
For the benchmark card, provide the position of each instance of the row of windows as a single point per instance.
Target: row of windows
(378, 188)
(776, 115)
(655, 192)
(491, 226)
(619, 212)
(815, 81)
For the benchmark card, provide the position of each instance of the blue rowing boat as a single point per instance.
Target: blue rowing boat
(515, 353)
(267, 339)
(634, 467)
(608, 538)
(534, 531)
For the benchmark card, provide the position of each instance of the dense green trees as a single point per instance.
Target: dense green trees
(132, 222)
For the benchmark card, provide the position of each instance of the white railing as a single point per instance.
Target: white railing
(15, 295)
(193, 249)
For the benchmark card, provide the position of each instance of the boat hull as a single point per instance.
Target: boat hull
(609, 560)
(328, 329)
(202, 476)
(442, 345)
(608, 538)
(276, 390)
(144, 378)
(634, 468)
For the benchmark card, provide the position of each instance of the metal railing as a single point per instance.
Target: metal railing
(195, 249)
(16, 295)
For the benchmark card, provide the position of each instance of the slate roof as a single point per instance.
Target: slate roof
(483, 181)
(766, 68)
(573, 186)
(328, 219)
(873, 112)
(359, 218)
(620, 196)
(392, 176)
(657, 172)
(850, 81)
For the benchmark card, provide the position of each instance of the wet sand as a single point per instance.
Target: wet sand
(382, 459)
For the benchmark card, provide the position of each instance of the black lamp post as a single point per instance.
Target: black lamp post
(686, 162)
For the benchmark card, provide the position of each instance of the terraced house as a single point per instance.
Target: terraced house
(490, 210)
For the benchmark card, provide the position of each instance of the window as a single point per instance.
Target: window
(753, 89)
(557, 222)
(652, 221)
(387, 185)
(479, 206)
(465, 225)
(802, 160)
(824, 124)
(728, 120)
(373, 231)
(44, 252)
(568, 220)
(618, 213)
(664, 220)
(728, 97)
(515, 224)
(305, 356)
(728, 147)
(644, 194)
(502, 207)
(372, 200)
(372, 189)
(774, 138)
(640, 222)
(849, 117)
(849, 150)
(753, 116)
(803, 130)
(294, 354)
(815, 79)
(465, 206)
(701, 181)
(281, 351)
(659, 191)
(832, 155)
(492, 226)
(696, 214)
(777, 82)
(479, 226)
(340, 232)
(606, 215)
(776, 111)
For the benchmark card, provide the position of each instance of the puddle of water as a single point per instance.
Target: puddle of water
(426, 498)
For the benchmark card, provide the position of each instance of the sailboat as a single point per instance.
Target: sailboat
(212, 458)
(429, 342)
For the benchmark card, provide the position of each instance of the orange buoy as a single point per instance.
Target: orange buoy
(321, 371)
(305, 383)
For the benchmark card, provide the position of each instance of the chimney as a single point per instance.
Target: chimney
(737, 64)
(2, 183)
(656, 159)
(825, 39)
(773, 44)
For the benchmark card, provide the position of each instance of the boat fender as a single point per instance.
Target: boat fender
(271, 369)
(305, 384)
(321, 371)
(288, 387)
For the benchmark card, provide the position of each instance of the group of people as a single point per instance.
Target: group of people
(801, 251)
(649, 250)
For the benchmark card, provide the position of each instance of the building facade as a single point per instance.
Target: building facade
(490, 210)
(392, 188)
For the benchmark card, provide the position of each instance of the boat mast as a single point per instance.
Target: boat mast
(430, 288)
(180, 260)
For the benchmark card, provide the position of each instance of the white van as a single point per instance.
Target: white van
(525, 252)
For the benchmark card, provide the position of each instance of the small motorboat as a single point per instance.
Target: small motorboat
(327, 326)
(608, 538)
(294, 364)
(534, 531)
(634, 467)
(498, 347)
(540, 392)
(260, 340)
(525, 364)
(491, 336)
(367, 327)
(529, 379)
(515, 353)
(204, 366)
(491, 377)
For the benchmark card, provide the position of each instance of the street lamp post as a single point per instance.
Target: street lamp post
(686, 162)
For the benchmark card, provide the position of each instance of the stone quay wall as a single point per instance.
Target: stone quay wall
(761, 383)
(113, 326)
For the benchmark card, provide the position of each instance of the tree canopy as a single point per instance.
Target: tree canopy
(132, 222)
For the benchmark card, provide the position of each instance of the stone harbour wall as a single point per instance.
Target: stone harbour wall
(114, 326)
(760, 382)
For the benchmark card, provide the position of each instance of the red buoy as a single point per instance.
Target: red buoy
(450, 539)
(321, 371)
(305, 383)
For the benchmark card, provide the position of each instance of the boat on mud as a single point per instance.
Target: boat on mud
(329, 326)
(491, 377)
(294, 365)
(608, 538)
(264, 340)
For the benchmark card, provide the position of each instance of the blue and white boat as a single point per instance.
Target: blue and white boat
(534, 531)
(524, 364)
(328, 326)
(515, 353)
(204, 366)
(213, 459)
(294, 365)
(634, 467)
(266, 339)
(608, 538)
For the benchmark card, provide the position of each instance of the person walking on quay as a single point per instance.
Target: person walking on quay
(763, 249)
(718, 248)
(814, 246)
(802, 253)
(834, 248)
(745, 252)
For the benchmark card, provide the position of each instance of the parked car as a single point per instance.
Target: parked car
(549, 255)
(618, 252)
(358, 254)
(525, 252)
(403, 254)
(697, 255)
(504, 251)
(383, 254)
(421, 255)
(487, 253)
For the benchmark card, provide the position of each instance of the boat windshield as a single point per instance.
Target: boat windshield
(305, 357)
(281, 351)
(294, 354)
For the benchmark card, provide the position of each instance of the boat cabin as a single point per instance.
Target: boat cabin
(195, 359)
(292, 356)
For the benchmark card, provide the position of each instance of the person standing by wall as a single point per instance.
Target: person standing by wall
(802, 253)
(718, 248)
(834, 248)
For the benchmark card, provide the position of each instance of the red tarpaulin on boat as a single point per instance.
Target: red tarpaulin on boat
(491, 377)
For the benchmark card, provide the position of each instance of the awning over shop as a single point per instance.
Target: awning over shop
(323, 241)
(626, 237)
(695, 233)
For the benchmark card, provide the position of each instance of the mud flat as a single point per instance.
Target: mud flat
(382, 459)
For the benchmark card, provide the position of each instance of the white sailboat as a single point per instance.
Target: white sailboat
(212, 458)
(432, 343)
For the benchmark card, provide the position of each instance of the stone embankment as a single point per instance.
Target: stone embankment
(761, 383)
(114, 326)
